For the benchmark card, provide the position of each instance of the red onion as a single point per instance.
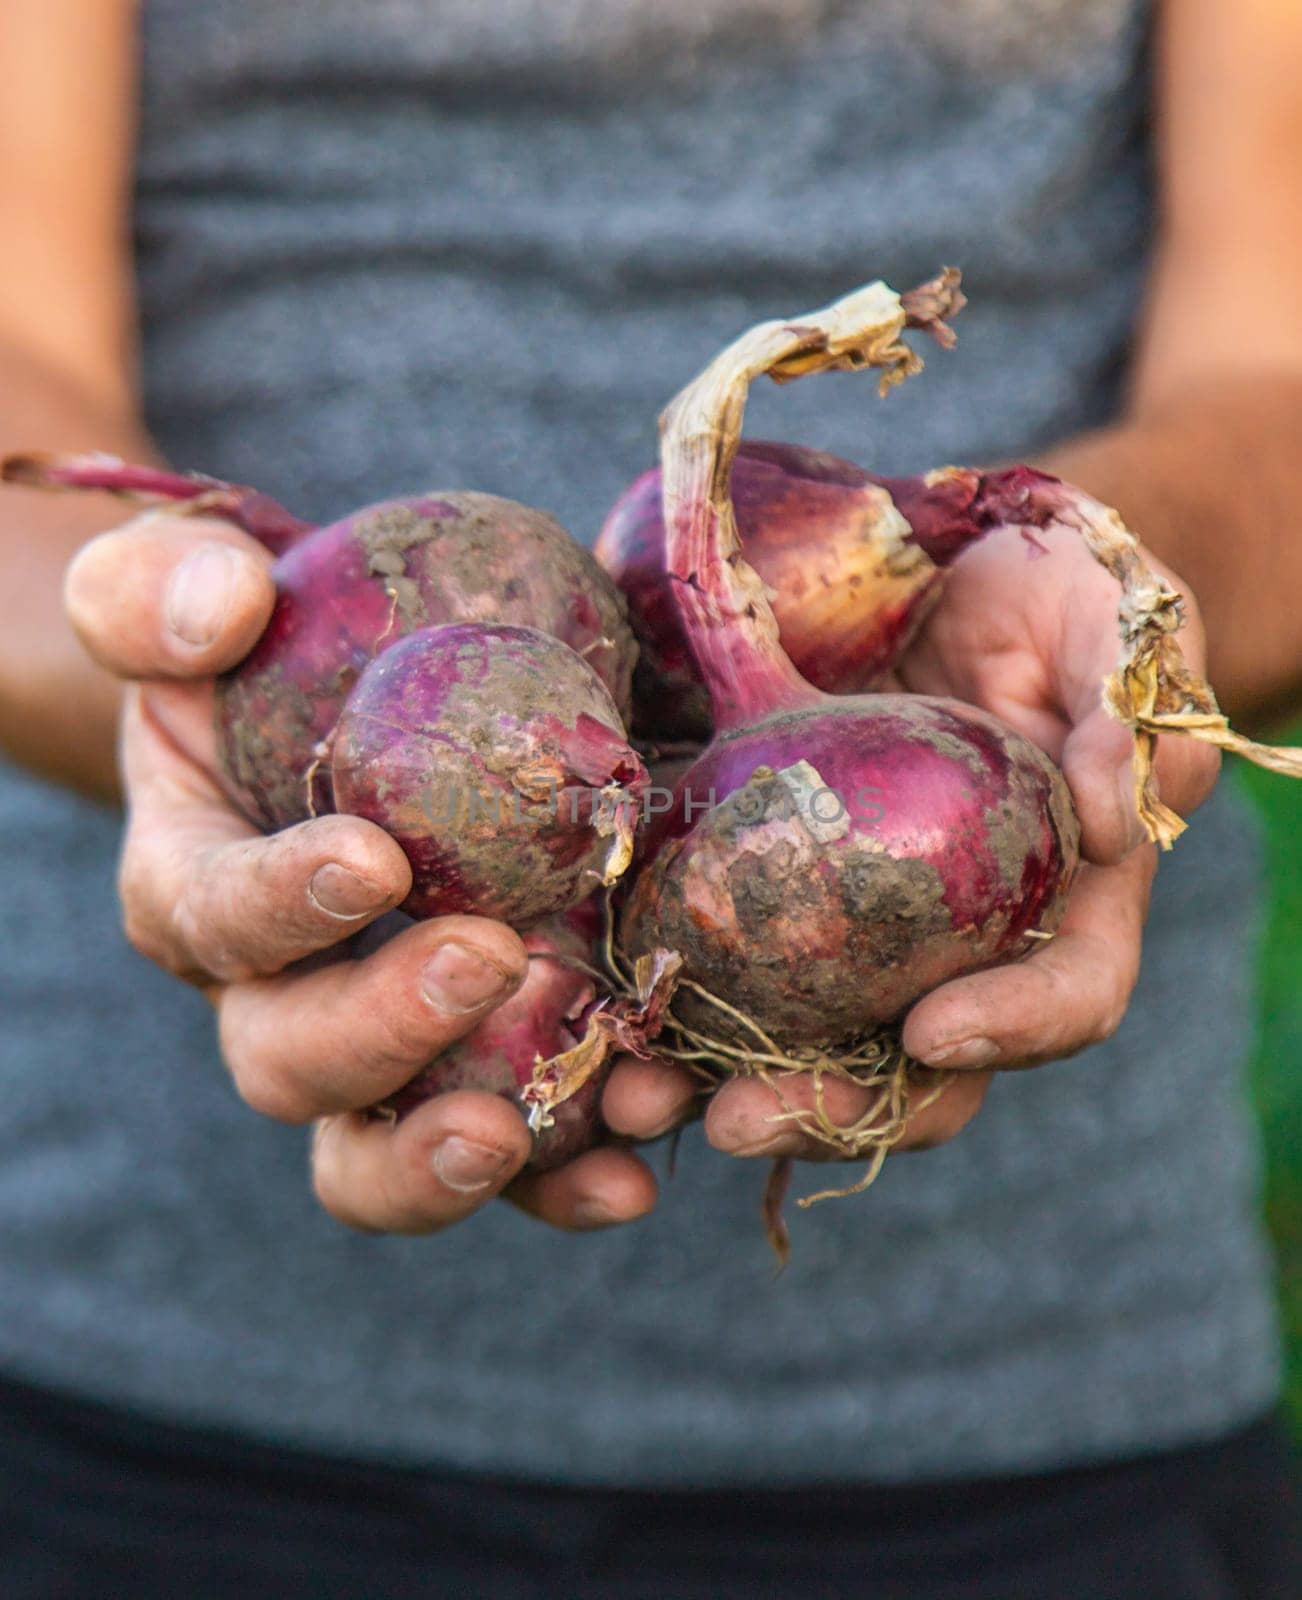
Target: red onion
(848, 578)
(496, 758)
(545, 1018)
(527, 697)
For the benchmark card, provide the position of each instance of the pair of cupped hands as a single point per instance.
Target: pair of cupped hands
(312, 1034)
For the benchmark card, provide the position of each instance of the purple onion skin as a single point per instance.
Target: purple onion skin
(483, 750)
(669, 699)
(349, 591)
(812, 526)
(540, 1019)
(954, 838)
(850, 584)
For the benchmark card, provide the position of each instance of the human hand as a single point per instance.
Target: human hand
(1028, 631)
(260, 924)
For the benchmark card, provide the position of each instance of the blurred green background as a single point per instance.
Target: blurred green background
(1277, 1062)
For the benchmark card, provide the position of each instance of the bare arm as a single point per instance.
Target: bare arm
(67, 336)
(1207, 462)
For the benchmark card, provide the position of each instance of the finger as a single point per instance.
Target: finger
(645, 1099)
(1071, 993)
(1040, 666)
(749, 1117)
(206, 896)
(438, 1165)
(1097, 761)
(1097, 755)
(344, 1036)
(253, 907)
(599, 1189)
(948, 1114)
(168, 596)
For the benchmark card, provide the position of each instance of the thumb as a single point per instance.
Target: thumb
(169, 596)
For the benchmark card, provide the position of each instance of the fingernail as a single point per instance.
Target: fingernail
(340, 892)
(458, 978)
(590, 1213)
(464, 1166)
(199, 593)
(977, 1052)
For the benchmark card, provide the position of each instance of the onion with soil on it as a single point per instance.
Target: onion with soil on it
(556, 784)
(830, 859)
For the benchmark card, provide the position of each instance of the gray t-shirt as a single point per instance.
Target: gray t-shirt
(435, 243)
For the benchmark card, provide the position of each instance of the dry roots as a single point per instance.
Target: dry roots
(877, 1062)
(903, 1088)
(638, 1012)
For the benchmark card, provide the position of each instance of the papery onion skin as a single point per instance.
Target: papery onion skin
(496, 758)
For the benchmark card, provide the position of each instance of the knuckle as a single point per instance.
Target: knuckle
(338, 1204)
(324, 1189)
(1092, 1005)
(1102, 1022)
(405, 1196)
(953, 1118)
(173, 938)
(1116, 1000)
(1110, 1018)
(139, 924)
(270, 1096)
(329, 1202)
(334, 1196)
(200, 929)
(262, 1087)
(402, 1039)
(142, 935)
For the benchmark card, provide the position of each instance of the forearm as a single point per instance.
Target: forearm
(58, 711)
(1210, 482)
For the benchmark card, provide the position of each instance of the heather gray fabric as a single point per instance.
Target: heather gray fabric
(415, 244)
